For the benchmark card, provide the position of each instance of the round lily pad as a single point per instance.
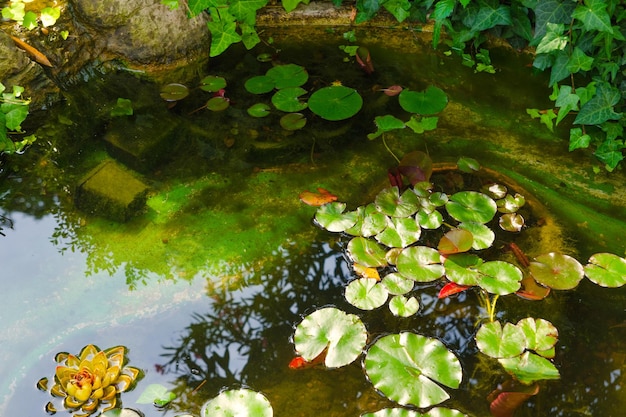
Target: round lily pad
(420, 263)
(335, 102)
(400, 232)
(238, 403)
(541, 335)
(455, 241)
(259, 84)
(174, 92)
(499, 277)
(370, 222)
(530, 367)
(500, 342)
(511, 222)
(405, 412)
(390, 202)
(606, 270)
(341, 335)
(471, 206)
(331, 217)
(217, 103)
(483, 235)
(259, 110)
(288, 75)
(366, 293)
(410, 369)
(293, 121)
(462, 269)
(366, 252)
(429, 220)
(212, 83)
(287, 99)
(402, 306)
(430, 101)
(557, 271)
(396, 284)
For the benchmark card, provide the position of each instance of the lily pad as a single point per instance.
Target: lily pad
(174, 92)
(400, 232)
(293, 121)
(335, 102)
(430, 101)
(541, 335)
(259, 84)
(468, 165)
(499, 277)
(217, 103)
(370, 221)
(607, 270)
(471, 206)
(390, 202)
(483, 235)
(510, 204)
(405, 412)
(529, 367)
(212, 83)
(366, 293)
(420, 263)
(287, 99)
(455, 241)
(366, 252)
(341, 335)
(410, 368)
(557, 271)
(500, 342)
(396, 284)
(238, 403)
(156, 394)
(402, 306)
(429, 220)
(288, 75)
(385, 124)
(494, 190)
(259, 110)
(331, 217)
(462, 269)
(511, 222)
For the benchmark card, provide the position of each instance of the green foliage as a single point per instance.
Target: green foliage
(156, 394)
(13, 112)
(237, 402)
(30, 19)
(123, 107)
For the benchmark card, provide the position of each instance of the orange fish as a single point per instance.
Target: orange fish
(299, 362)
(318, 198)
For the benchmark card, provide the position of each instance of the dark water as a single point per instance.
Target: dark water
(205, 287)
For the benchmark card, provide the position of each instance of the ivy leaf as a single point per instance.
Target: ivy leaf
(551, 11)
(559, 69)
(249, 35)
(554, 39)
(290, 5)
(600, 108)
(198, 6)
(593, 16)
(223, 35)
(579, 61)
(15, 114)
(398, 8)
(610, 152)
(577, 140)
(566, 101)
(490, 15)
(245, 10)
(366, 10)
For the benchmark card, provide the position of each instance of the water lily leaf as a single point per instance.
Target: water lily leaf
(287, 99)
(529, 368)
(342, 335)
(410, 368)
(429, 220)
(401, 306)
(293, 121)
(316, 199)
(335, 102)
(237, 402)
(500, 342)
(366, 293)
(218, 103)
(405, 412)
(420, 263)
(471, 206)
(531, 290)
(462, 269)
(396, 284)
(438, 199)
(606, 269)
(370, 221)
(455, 241)
(366, 252)
(259, 110)
(331, 217)
(430, 101)
(443, 412)
(500, 277)
(288, 75)
(557, 271)
(156, 394)
(483, 235)
(259, 84)
(511, 222)
(510, 204)
(421, 124)
(174, 92)
(496, 191)
(400, 232)
(509, 396)
(390, 202)
(384, 124)
(468, 165)
(212, 83)
(541, 335)
(417, 167)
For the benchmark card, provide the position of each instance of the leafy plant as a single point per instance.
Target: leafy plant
(16, 11)
(13, 112)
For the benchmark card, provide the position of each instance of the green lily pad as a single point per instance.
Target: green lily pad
(471, 206)
(529, 367)
(341, 335)
(606, 269)
(331, 217)
(217, 103)
(455, 241)
(510, 204)
(212, 83)
(293, 121)
(237, 403)
(288, 75)
(500, 342)
(420, 263)
(499, 277)
(483, 235)
(410, 368)
(259, 110)
(462, 269)
(429, 220)
(174, 92)
(156, 394)
(511, 222)
(396, 284)
(438, 199)
(495, 191)
(400, 232)
(405, 412)
(430, 101)
(287, 99)
(370, 221)
(541, 335)
(468, 165)
(401, 306)
(259, 84)
(366, 252)
(366, 293)
(557, 271)
(385, 124)
(335, 102)
(390, 202)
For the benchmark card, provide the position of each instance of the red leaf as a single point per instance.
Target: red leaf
(364, 59)
(393, 90)
(507, 398)
(451, 288)
(318, 198)
(395, 177)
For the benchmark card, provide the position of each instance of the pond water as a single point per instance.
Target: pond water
(204, 287)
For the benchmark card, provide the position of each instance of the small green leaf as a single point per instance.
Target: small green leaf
(287, 99)
(430, 101)
(370, 221)
(293, 121)
(500, 277)
(420, 263)
(396, 284)
(49, 15)
(218, 103)
(553, 40)
(593, 16)
(237, 402)
(419, 124)
(400, 232)
(529, 368)
(579, 61)
(156, 394)
(366, 293)
(123, 107)
(500, 342)
(578, 140)
(331, 217)
(401, 306)
(541, 335)
(259, 84)
(557, 271)
(390, 202)
(174, 92)
(212, 83)
(601, 106)
(259, 110)
(366, 252)
(606, 270)
(288, 75)
(483, 235)
(335, 102)
(469, 165)
(471, 206)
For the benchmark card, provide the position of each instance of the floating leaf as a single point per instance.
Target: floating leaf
(331, 217)
(259, 110)
(156, 394)
(396, 284)
(174, 92)
(496, 191)
(455, 241)
(342, 335)
(288, 75)
(366, 252)
(259, 84)
(416, 166)
(409, 368)
(370, 221)
(390, 202)
(541, 335)
(126, 412)
(483, 235)
(471, 206)
(509, 397)
(400, 232)
(430, 101)
(316, 199)
(500, 342)
(529, 368)
(293, 121)
(500, 277)
(393, 90)
(287, 99)
(511, 222)
(557, 271)
(451, 288)
(426, 220)
(237, 402)
(212, 83)
(468, 165)
(510, 204)
(335, 102)
(606, 269)
(462, 269)
(420, 263)
(401, 306)
(531, 290)
(420, 124)
(218, 103)
(366, 293)
(384, 124)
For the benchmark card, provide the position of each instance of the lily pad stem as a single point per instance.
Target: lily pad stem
(489, 304)
(389, 150)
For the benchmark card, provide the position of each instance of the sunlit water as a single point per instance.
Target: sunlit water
(69, 279)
